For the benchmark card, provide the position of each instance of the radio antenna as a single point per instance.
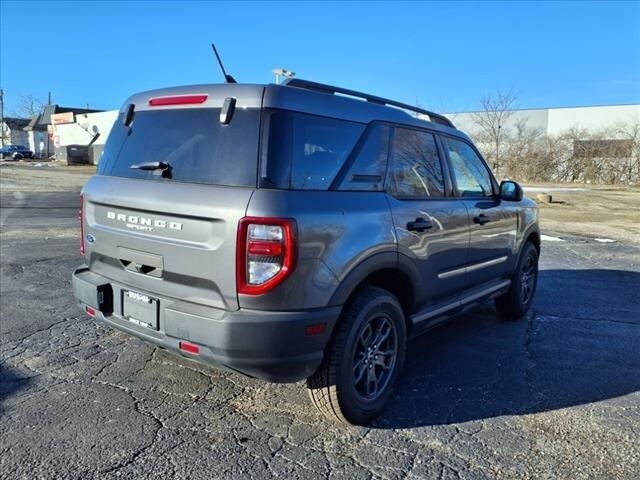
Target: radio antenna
(227, 78)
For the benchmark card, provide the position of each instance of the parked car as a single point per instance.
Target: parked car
(15, 152)
(298, 231)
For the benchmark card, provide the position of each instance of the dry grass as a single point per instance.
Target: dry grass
(602, 211)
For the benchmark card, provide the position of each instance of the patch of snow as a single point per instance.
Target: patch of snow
(548, 238)
(604, 240)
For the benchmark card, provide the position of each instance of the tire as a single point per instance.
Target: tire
(334, 388)
(514, 304)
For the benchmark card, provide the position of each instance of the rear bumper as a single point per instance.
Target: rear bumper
(272, 346)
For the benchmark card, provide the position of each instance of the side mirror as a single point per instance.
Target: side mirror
(511, 191)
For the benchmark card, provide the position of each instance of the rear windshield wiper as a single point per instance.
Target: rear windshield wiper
(158, 168)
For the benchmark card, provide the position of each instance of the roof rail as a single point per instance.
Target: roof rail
(321, 87)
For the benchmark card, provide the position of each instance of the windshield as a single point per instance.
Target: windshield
(192, 141)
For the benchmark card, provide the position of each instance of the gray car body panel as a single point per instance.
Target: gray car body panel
(188, 259)
(247, 96)
(336, 231)
(198, 261)
(288, 98)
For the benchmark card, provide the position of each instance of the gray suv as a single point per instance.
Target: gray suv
(297, 231)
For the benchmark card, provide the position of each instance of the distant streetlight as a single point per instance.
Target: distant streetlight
(282, 72)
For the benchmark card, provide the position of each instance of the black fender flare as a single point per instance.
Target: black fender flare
(533, 228)
(372, 264)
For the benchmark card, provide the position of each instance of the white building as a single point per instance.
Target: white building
(12, 131)
(556, 121)
(85, 128)
(81, 128)
(597, 144)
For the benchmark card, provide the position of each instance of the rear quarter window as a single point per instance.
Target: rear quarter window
(306, 152)
(369, 163)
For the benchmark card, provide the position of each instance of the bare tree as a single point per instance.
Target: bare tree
(522, 150)
(29, 106)
(630, 131)
(492, 120)
(515, 150)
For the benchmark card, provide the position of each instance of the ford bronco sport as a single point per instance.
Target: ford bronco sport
(297, 231)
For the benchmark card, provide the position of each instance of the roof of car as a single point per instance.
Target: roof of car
(299, 99)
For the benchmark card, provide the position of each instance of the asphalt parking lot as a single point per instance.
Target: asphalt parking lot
(556, 395)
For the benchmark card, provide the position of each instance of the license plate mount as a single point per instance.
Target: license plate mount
(140, 309)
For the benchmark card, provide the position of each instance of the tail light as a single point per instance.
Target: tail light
(265, 252)
(81, 218)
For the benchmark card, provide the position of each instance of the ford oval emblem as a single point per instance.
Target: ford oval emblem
(91, 239)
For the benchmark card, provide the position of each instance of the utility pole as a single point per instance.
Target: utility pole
(2, 116)
(48, 137)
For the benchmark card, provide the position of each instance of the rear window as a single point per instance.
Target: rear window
(306, 152)
(195, 144)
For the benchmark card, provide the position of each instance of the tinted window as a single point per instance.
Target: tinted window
(195, 144)
(415, 170)
(306, 152)
(370, 162)
(116, 138)
(469, 172)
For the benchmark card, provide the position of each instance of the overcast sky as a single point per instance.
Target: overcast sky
(444, 56)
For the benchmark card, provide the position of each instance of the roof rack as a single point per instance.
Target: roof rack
(321, 87)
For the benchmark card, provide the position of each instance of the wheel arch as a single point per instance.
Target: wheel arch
(532, 236)
(384, 270)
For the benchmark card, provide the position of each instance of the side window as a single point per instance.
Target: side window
(366, 173)
(415, 170)
(469, 172)
(306, 152)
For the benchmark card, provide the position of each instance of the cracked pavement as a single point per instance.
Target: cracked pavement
(556, 395)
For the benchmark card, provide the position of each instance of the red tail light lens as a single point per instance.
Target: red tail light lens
(81, 218)
(178, 100)
(265, 252)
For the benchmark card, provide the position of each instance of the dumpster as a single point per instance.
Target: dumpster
(78, 154)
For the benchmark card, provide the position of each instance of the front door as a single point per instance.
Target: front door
(431, 227)
(492, 222)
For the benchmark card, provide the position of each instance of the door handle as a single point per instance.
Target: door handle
(481, 219)
(420, 224)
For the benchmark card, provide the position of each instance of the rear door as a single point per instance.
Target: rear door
(431, 227)
(172, 231)
(492, 226)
